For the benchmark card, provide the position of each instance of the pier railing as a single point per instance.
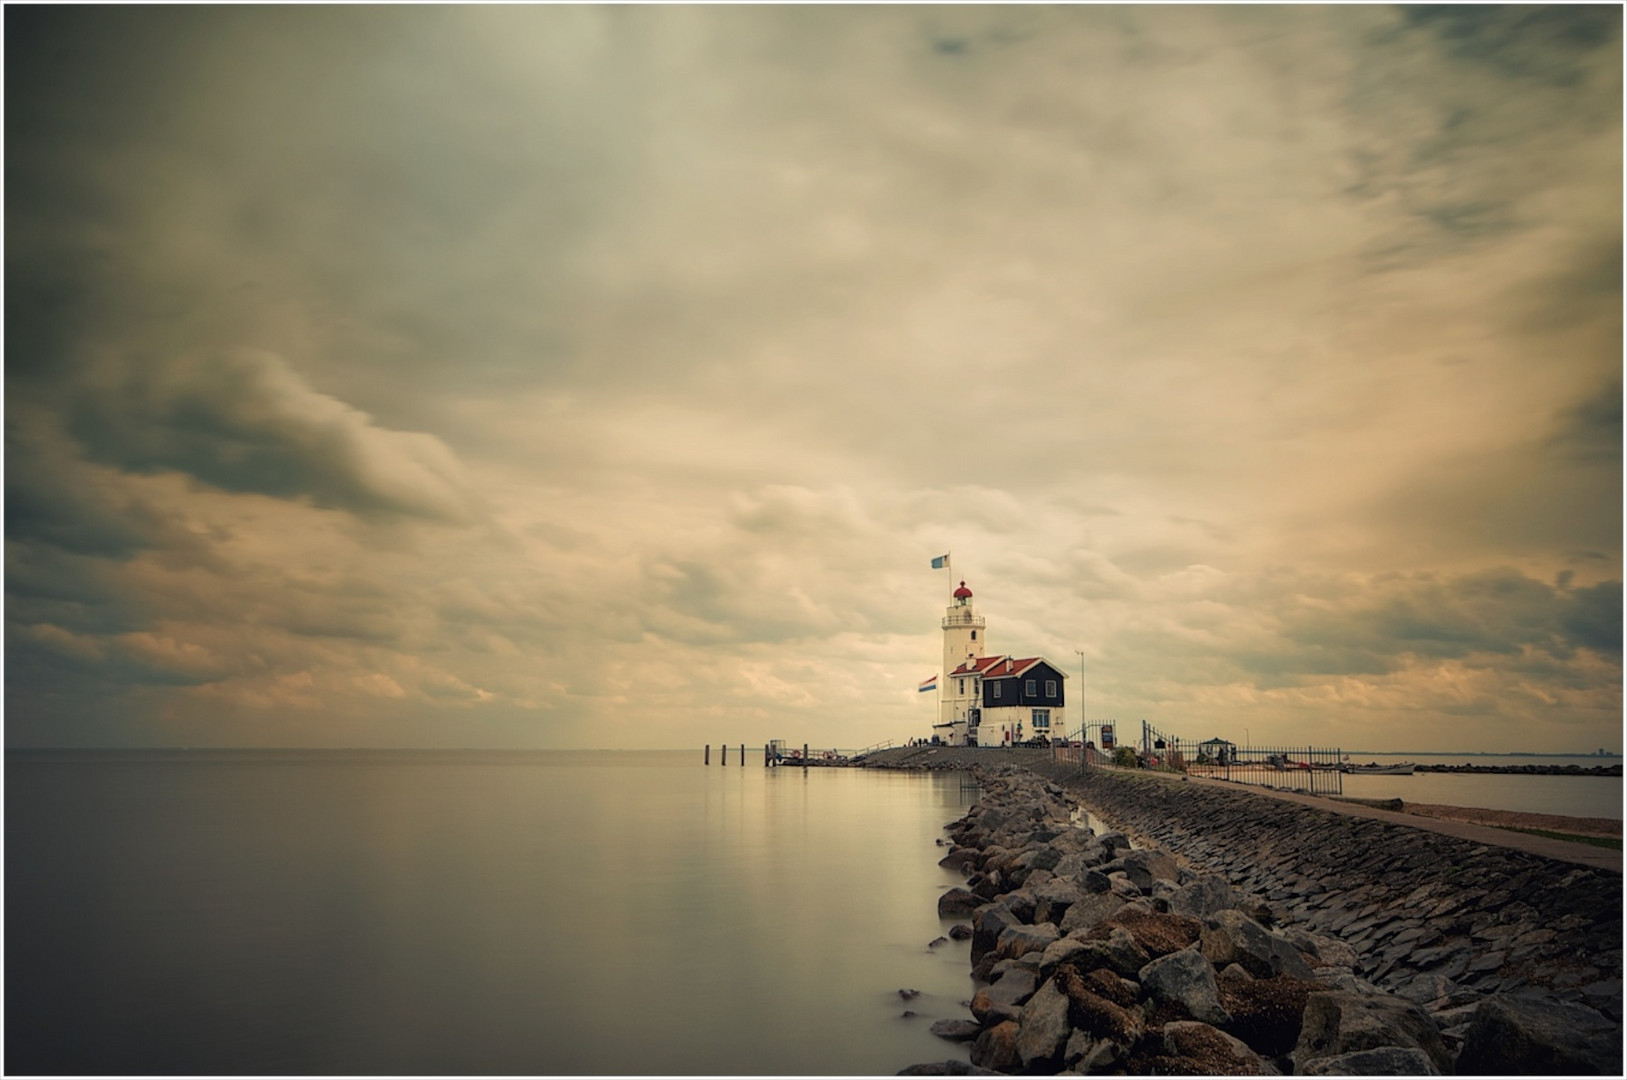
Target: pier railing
(1311, 769)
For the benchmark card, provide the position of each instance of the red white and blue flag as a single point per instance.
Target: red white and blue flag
(930, 684)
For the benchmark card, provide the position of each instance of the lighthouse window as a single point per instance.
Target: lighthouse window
(974, 635)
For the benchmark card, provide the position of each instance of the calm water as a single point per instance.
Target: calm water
(1574, 796)
(400, 913)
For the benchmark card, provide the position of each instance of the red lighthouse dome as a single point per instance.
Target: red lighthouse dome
(963, 593)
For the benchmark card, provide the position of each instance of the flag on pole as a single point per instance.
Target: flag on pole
(941, 563)
(930, 684)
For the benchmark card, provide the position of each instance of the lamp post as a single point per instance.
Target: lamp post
(1081, 653)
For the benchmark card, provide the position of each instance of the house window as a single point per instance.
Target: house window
(1050, 688)
(1031, 687)
(996, 689)
(960, 687)
(1042, 720)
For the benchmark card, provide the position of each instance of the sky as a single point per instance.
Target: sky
(592, 376)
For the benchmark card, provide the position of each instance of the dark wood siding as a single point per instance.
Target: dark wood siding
(1013, 689)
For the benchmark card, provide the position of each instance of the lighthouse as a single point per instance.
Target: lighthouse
(963, 644)
(992, 700)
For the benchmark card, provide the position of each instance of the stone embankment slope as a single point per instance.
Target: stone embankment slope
(1324, 945)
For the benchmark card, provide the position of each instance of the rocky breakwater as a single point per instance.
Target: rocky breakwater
(1478, 935)
(1092, 955)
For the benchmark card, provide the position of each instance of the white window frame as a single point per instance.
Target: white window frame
(1050, 688)
(1041, 718)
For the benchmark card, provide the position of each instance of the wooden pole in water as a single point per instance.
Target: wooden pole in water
(742, 755)
(804, 757)
(725, 754)
(765, 755)
(708, 760)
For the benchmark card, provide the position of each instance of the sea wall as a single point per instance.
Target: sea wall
(1431, 916)
(1246, 934)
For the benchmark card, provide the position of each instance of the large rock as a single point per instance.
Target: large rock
(1207, 895)
(1337, 1022)
(1017, 941)
(1157, 932)
(956, 1030)
(1089, 911)
(988, 923)
(1053, 899)
(1266, 1013)
(996, 1048)
(1145, 866)
(1186, 979)
(1118, 952)
(1060, 951)
(958, 902)
(1382, 1061)
(1044, 1028)
(1232, 937)
(1095, 1015)
(1003, 998)
(1199, 1047)
(1531, 1033)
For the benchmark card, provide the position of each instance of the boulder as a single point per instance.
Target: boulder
(1207, 1050)
(996, 1048)
(1117, 952)
(1090, 910)
(1043, 1029)
(956, 1030)
(1530, 1032)
(988, 923)
(958, 902)
(1157, 932)
(1003, 998)
(1145, 866)
(1232, 937)
(1114, 841)
(1204, 896)
(1380, 1061)
(1336, 1022)
(1014, 941)
(959, 858)
(1095, 1015)
(1053, 899)
(960, 932)
(1060, 951)
(1266, 1013)
(1185, 979)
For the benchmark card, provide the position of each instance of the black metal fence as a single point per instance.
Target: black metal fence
(1311, 769)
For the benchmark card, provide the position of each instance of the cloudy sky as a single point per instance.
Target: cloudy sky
(608, 376)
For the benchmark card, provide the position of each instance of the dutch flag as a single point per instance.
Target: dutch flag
(930, 684)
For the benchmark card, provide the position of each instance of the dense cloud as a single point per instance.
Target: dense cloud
(606, 376)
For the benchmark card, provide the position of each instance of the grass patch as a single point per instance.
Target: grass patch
(1612, 842)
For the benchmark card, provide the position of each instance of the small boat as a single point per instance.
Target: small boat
(1375, 769)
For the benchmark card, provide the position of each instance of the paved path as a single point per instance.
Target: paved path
(1548, 848)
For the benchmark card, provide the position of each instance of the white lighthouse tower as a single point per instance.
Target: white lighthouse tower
(963, 644)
